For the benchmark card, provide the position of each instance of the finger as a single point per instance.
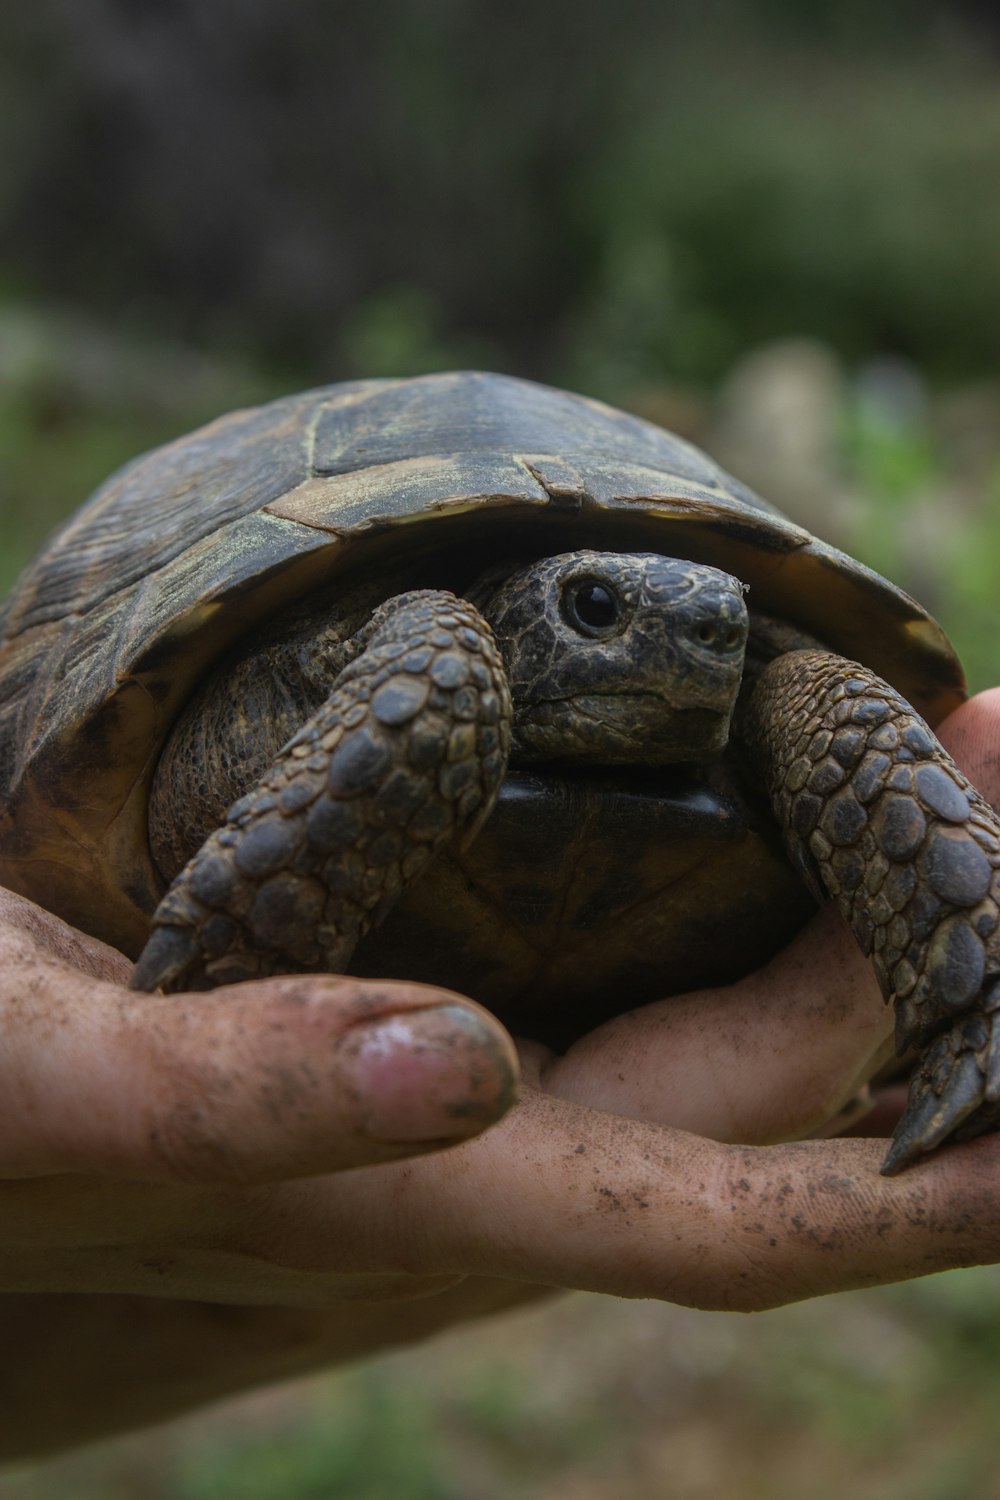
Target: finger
(771, 1058)
(636, 1210)
(888, 1103)
(563, 1196)
(972, 735)
(29, 935)
(849, 1120)
(282, 1077)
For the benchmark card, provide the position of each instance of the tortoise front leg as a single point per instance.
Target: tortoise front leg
(877, 815)
(410, 748)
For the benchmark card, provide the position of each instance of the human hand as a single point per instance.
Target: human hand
(258, 1275)
(131, 1128)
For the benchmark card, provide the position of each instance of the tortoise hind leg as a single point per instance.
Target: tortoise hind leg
(410, 747)
(877, 816)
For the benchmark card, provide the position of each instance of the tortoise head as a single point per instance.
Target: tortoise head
(619, 657)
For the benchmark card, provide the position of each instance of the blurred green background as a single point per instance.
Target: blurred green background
(772, 226)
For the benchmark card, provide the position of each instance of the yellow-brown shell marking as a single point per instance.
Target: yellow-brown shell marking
(188, 548)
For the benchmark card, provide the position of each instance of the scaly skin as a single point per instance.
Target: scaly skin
(410, 747)
(657, 688)
(412, 744)
(877, 816)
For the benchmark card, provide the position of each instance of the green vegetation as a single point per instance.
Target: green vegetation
(360, 191)
(780, 195)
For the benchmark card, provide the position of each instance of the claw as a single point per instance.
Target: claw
(166, 955)
(953, 1092)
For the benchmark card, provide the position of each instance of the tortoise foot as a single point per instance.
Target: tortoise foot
(409, 749)
(877, 816)
(955, 1088)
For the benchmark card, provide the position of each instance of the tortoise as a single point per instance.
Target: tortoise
(464, 679)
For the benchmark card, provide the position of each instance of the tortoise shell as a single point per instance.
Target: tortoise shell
(188, 549)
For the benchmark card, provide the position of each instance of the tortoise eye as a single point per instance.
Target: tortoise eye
(591, 607)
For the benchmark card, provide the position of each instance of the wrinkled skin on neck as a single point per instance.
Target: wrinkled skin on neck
(619, 658)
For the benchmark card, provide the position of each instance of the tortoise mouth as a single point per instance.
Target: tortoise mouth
(616, 693)
(636, 727)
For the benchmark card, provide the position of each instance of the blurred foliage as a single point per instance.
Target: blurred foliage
(858, 208)
(552, 189)
(884, 1395)
(377, 1446)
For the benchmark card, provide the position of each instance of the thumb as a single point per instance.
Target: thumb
(284, 1077)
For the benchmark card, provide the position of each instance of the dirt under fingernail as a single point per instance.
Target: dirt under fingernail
(427, 1075)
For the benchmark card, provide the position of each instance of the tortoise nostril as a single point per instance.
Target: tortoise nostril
(721, 636)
